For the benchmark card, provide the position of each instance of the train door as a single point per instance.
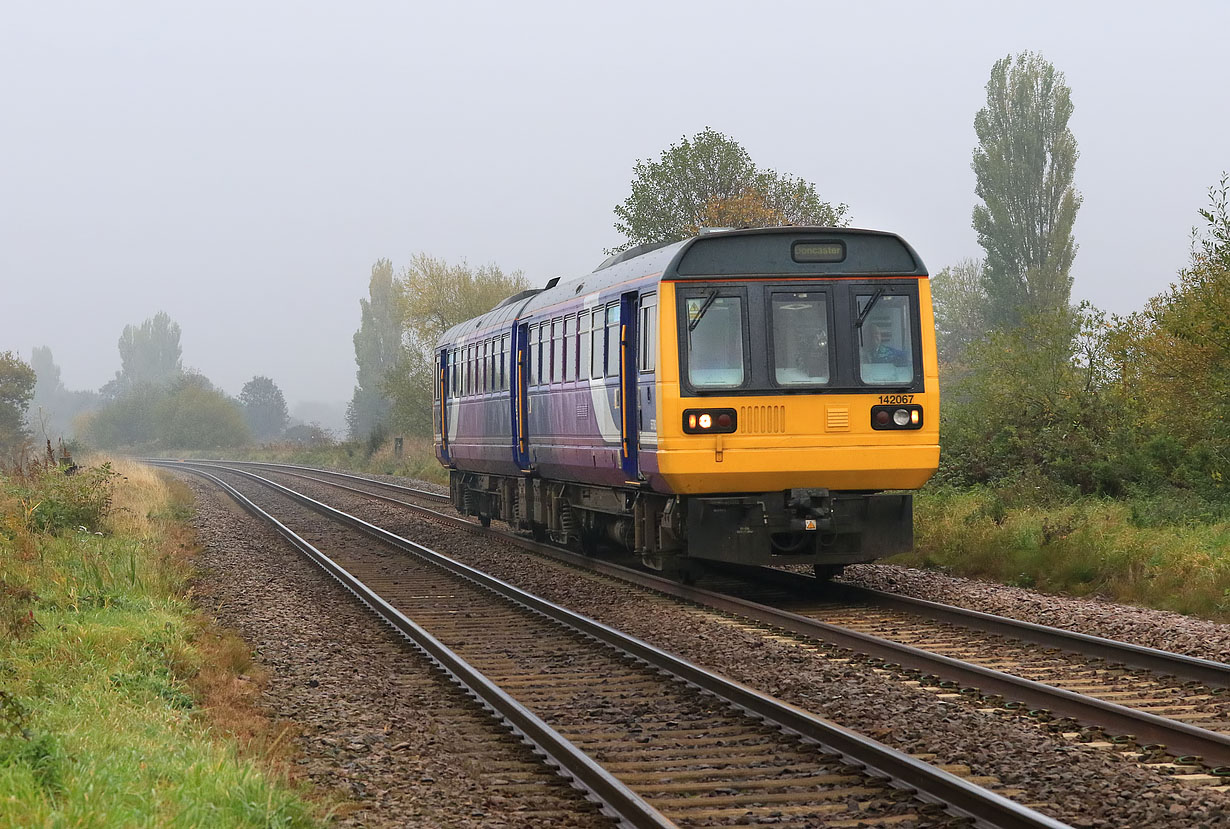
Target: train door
(519, 398)
(646, 352)
(442, 384)
(628, 426)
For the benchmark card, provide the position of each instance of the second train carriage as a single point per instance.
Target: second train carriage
(746, 396)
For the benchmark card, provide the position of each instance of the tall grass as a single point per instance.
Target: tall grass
(1146, 549)
(100, 650)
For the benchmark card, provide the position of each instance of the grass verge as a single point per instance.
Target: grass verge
(1145, 550)
(119, 705)
(417, 460)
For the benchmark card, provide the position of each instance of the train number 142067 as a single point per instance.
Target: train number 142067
(896, 399)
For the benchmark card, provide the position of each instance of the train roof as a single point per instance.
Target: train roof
(802, 251)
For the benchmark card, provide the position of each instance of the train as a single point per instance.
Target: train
(754, 397)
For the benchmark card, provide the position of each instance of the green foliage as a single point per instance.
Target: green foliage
(17, 382)
(1213, 243)
(1044, 402)
(1179, 352)
(264, 408)
(195, 415)
(127, 420)
(99, 726)
(188, 414)
(709, 179)
(377, 345)
(1024, 163)
(433, 296)
(408, 385)
(149, 354)
(1137, 549)
(53, 501)
(959, 297)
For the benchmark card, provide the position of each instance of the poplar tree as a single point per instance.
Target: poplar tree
(377, 347)
(150, 352)
(1024, 163)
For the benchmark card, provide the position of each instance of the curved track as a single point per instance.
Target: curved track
(694, 746)
(1163, 705)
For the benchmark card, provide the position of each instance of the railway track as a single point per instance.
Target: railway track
(657, 740)
(1171, 710)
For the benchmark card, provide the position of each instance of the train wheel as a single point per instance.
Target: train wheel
(538, 531)
(484, 519)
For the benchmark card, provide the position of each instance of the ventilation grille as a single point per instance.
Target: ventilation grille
(762, 420)
(837, 418)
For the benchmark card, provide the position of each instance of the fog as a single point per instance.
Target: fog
(242, 165)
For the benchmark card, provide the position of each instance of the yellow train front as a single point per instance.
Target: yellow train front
(754, 396)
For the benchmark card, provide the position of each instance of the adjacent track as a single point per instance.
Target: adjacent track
(727, 752)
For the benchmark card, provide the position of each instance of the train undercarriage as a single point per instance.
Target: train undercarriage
(677, 532)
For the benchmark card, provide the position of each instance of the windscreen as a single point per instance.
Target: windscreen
(715, 341)
(800, 339)
(886, 342)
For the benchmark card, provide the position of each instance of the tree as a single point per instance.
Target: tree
(377, 346)
(1024, 163)
(264, 408)
(712, 178)
(959, 296)
(196, 415)
(1213, 243)
(53, 408)
(1181, 351)
(149, 353)
(17, 382)
(434, 296)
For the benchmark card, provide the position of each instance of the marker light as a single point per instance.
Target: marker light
(709, 421)
(908, 416)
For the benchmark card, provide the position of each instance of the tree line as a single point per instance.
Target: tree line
(152, 403)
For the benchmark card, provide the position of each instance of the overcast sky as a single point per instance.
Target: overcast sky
(241, 165)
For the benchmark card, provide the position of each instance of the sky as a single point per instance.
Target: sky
(241, 165)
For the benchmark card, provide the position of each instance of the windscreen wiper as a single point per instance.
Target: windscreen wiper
(862, 318)
(708, 301)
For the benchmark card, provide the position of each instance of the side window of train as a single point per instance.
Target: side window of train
(597, 340)
(557, 350)
(583, 346)
(489, 364)
(612, 340)
(531, 358)
(648, 339)
(570, 348)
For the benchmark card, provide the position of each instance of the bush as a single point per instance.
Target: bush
(52, 499)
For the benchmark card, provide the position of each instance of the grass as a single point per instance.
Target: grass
(115, 708)
(418, 458)
(1145, 549)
